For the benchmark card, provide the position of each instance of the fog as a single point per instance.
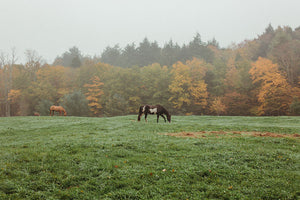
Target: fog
(51, 27)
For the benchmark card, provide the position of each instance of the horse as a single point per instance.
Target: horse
(157, 109)
(36, 114)
(59, 109)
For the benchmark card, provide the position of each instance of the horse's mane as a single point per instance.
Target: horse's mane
(163, 109)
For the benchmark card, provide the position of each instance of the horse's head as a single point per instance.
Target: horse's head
(169, 118)
(65, 113)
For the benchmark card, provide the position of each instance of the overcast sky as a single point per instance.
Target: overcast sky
(51, 27)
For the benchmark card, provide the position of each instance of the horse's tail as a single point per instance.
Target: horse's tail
(50, 110)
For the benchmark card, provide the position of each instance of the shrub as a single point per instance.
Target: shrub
(75, 104)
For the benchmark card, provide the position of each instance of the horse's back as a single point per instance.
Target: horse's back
(160, 107)
(56, 108)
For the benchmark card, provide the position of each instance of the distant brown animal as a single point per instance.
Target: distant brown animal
(36, 114)
(157, 109)
(59, 109)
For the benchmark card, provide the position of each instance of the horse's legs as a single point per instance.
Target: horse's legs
(139, 117)
(157, 117)
(146, 117)
(162, 117)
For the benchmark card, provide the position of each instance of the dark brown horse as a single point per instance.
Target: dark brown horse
(59, 109)
(157, 109)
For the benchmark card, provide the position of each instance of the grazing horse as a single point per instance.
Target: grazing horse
(158, 110)
(59, 109)
(36, 114)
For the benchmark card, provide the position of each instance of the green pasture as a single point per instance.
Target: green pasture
(120, 158)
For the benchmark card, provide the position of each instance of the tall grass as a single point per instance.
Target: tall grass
(119, 158)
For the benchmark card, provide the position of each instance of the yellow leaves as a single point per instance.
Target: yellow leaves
(51, 73)
(232, 76)
(92, 98)
(188, 86)
(135, 101)
(198, 68)
(52, 82)
(274, 94)
(217, 106)
(199, 92)
(94, 104)
(96, 83)
(14, 95)
(94, 93)
(263, 70)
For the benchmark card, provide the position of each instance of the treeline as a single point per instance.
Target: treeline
(145, 54)
(257, 77)
(149, 52)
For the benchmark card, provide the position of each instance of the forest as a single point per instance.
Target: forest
(259, 77)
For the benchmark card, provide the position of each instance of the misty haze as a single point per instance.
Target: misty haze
(152, 99)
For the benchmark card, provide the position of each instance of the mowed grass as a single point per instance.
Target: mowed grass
(120, 158)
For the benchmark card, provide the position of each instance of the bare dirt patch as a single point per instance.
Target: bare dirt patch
(203, 134)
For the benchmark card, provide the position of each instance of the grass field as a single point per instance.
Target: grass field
(194, 157)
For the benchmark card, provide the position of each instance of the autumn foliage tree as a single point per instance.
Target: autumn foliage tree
(274, 94)
(255, 77)
(188, 88)
(14, 98)
(238, 85)
(94, 94)
(217, 106)
(51, 83)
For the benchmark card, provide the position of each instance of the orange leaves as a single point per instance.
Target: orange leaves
(96, 83)
(94, 93)
(274, 93)
(14, 95)
(263, 70)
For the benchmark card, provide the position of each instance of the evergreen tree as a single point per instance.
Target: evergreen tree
(198, 49)
(111, 55)
(129, 56)
(71, 58)
(170, 53)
